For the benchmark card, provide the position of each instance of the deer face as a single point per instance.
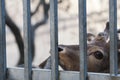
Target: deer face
(97, 53)
(97, 57)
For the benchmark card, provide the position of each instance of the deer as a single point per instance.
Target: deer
(97, 54)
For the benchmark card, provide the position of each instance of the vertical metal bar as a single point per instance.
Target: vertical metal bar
(27, 40)
(113, 36)
(54, 39)
(82, 39)
(2, 41)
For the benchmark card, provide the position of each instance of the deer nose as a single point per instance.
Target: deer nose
(59, 49)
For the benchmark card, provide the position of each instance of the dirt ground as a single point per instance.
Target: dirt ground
(97, 16)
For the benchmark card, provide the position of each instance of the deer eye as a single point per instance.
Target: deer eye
(98, 55)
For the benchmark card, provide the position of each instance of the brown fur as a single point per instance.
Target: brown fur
(69, 54)
(69, 57)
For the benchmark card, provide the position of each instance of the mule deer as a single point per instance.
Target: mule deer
(97, 54)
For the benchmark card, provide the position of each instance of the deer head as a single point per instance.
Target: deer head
(97, 57)
(97, 53)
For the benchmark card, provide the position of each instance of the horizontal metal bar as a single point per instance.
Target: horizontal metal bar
(54, 39)
(40, 74)
(83, 39)
(2, 41)
(27, 40)
(113, 37)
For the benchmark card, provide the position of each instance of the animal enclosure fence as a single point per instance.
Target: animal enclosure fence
(27, 73)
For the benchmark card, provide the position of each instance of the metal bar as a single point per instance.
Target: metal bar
(27, 40)
(2, 41)
(82, 39)
(113, 37)
(54, 39)
(40, 74)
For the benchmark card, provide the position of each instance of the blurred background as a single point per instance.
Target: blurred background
(97, 16)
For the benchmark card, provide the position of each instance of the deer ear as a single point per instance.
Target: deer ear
(105, 34)
(90, 38)
(107, 28)
(106, 31)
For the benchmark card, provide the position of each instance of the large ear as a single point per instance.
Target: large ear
(90, 38)
(107, 27)
(105, 34)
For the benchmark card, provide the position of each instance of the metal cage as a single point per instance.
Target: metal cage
(27, 73)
